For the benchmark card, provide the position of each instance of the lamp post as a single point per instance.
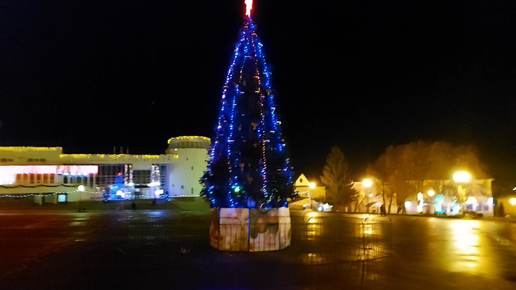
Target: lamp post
(80, 189)
(311, 186)
(461, 177)
(367, 183)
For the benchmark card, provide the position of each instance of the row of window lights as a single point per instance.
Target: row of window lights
(35, 178)
(50, 178)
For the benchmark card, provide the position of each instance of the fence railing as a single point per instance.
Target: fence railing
(314, 239)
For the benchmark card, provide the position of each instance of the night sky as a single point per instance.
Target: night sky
(90, 75)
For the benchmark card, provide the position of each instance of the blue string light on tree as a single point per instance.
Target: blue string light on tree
(248, 165)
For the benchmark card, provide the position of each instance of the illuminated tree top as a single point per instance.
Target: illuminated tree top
(248, 7)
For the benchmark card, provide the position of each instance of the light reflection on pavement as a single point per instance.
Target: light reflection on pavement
(466, 240)
(449, 253)
(428, 253)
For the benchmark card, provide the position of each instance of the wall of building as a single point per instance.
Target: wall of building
(318, 193)
(509, 206)
(188, 168)
(186, 172)
(45, 170)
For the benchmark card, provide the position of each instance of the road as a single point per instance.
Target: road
(65, 250)
(462, 253)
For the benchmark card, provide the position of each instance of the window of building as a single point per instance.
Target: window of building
(52, 178)
(4, 160)
(141, 177)
(61, 197)
(192, 167)
(45, 178)
(19, 178)
(32, 178)
(42, 160)
(191, 191)
(30, 160)
(182, 187)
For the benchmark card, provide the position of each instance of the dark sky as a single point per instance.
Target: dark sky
(88, 75)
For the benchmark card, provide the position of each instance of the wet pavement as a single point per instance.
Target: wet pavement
(56, 250)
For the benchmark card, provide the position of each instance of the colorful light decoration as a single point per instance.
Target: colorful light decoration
(439, 200)
(248, 150)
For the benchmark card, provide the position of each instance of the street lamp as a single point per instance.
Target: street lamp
(366, 183)
(80, 189)
(462, 177)
(311, 185)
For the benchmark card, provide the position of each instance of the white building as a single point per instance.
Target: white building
(51, 176)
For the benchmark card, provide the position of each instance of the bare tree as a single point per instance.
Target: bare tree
(466, 158)
(382, 170)
(407, 168)
(441, 161)
(336, 176)
(401, 164)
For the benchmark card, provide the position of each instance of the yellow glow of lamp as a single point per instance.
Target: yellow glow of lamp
(80, 188)
(311, 185)
(462, 177)
(431, 192)
(512, 201)
(367, 182)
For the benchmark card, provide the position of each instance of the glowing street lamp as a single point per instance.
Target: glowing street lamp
(431, 192)
(462, 177)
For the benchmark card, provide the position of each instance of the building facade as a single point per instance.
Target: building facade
(51, 176)
(429, 197)
(505, 206)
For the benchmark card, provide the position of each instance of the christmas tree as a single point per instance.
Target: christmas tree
(248, 165)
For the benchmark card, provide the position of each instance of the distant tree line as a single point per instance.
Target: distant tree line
(401, 170)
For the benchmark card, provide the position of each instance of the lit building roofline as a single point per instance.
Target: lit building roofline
(188, 138)
(30, 148)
